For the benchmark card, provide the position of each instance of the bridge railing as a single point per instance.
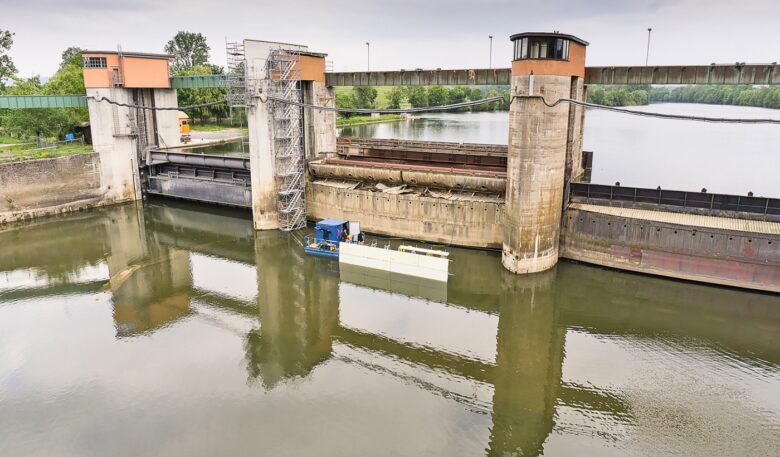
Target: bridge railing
(675, 198)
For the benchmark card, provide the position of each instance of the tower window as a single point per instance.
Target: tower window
(542, 48)
(95, 62)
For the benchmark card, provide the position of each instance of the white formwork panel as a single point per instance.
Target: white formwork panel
(405, 263)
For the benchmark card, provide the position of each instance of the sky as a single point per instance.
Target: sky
(404, 34)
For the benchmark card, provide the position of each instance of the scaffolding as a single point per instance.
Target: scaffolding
(236, 87)
(283, 73)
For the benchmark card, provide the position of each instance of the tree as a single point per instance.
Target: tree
(417, 96)
(188, 97)
(7, 67)
(395, 97)
(189, 49)
(437, 96)
(456, 95)
(346, 101)
(72, 55)
(365, 96)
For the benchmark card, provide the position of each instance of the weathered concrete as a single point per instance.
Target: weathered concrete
(320, 125)
(472, 223)
(679, 250)
(112, 139)
(574, 166)
(535, 173)
(168, 132)
(36, 188)
(261, 153)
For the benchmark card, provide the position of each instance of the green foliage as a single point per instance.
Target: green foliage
(366, 119)
(763, 97)
(189, 49)
(423, 97)
(457, 95)
(364, 96)
(346, 101)
(618, 96)
(7, 67)
(188, 97)
(395, 97)
(437, 96)
(50, 122)
(417, 96)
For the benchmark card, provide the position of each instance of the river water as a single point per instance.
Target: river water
(637, 151)
(174, 329)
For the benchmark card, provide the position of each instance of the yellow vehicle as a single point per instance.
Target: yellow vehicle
(184, 127)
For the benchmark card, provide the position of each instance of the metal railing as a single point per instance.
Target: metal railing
(678, 198)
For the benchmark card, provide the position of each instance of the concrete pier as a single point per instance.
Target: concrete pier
(261, 154)
(542, 141)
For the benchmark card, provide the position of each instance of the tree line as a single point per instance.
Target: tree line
(191, 57)
(360, 97)
(761, 97)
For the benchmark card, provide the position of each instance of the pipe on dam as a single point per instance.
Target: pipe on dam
(487, 183)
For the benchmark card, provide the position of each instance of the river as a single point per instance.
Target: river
(174, 329)
(637, 151)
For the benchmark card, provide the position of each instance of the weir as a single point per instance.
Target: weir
(529, 198)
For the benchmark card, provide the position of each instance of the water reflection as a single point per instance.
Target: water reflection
(497, 363)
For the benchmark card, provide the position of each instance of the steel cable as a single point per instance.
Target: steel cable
(679, 117)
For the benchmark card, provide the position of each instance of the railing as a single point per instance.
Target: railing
(678, 198)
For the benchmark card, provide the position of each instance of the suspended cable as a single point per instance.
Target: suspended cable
(681, 117)
(386, 110)
(158, 108)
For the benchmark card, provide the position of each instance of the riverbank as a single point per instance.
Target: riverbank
(367, 119)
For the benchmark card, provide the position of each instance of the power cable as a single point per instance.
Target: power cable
(680, 117)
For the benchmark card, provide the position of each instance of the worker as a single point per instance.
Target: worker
(349, 237)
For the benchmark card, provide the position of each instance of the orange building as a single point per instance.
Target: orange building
(548, 54)
(131, 70)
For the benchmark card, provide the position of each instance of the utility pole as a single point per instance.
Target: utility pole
(490, 64)
(647, 56)
(368, 56)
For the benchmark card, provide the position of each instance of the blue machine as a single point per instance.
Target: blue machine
(327, 236)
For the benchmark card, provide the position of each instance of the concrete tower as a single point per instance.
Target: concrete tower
(122, 136)
(544, 146)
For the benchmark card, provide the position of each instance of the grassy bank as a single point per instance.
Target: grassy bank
(211, 127)
(366, 119)
(19, 154)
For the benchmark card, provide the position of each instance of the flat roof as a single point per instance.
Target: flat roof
(548, 35)
(331, 222)
(691, 220)
(132, 54)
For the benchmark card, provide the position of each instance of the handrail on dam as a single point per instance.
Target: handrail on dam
(677, 198)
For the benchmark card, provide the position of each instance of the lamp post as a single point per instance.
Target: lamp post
(368, 56)
(647, 56)
(490, 62)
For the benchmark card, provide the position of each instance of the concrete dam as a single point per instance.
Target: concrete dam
(531, 199)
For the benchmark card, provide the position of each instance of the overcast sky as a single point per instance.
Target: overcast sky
(403, 33)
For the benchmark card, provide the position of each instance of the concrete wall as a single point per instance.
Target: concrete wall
(49, 186)
(535, 173)
(261, 153)
(111, 138)
(168, 132)
(320, 125)
(716, 256)
(464, 223)
(574, 168)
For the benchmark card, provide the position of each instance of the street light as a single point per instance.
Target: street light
(647, 56)
(490, 62)
(368, 56)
